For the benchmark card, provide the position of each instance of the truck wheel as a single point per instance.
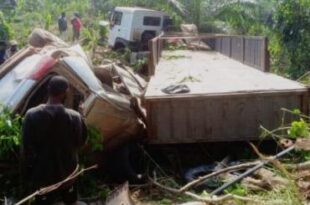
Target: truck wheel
(119, 47)
(121, 165)
(146, 37)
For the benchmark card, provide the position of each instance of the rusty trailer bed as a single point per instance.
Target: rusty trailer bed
(228, 100)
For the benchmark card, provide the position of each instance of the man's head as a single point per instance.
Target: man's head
(57, 87)
(63, 14)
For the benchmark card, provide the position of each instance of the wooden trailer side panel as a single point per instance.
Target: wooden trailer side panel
(226, 118)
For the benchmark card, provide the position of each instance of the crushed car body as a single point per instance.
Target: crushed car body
(23, 79)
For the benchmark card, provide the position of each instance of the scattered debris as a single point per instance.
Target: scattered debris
(120, 196)
(303, 144)
(175, 89)
(104, 107)
(48, 189)
(110, 97)
(264, 180)
(250, 171)
(193, 44)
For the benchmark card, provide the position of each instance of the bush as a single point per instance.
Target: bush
(10, 136)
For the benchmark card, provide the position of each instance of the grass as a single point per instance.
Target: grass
(287, 196)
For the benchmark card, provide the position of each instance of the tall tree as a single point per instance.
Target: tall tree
(292, 29)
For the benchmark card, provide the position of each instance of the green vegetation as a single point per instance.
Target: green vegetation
(298, 129)
(287, 196)
(28, 15)
(292, 29)
(94, 139)
(237, 189)
(286, 23)
(10, 139)
(6, 31)
(10, 157)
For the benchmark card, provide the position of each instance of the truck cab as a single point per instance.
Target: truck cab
(133, 27)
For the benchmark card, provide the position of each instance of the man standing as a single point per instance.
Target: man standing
(76, 26)
(62, 25)
(52, 136)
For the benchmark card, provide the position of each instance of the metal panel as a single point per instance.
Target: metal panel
(252, 51)
(161, 112)
(235, 118)
(237, 48)
(225, 49)
(179, 120)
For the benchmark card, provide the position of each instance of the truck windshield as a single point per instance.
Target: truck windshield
(117, 18)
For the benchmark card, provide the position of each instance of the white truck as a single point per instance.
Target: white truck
(133, 27)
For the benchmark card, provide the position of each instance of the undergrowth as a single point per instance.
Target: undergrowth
(288, 196)
(91, 186)
(10, 157)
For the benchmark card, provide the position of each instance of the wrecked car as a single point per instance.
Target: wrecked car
(24, 78)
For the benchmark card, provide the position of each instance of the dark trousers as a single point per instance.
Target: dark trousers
(76, 35)
(67, 195)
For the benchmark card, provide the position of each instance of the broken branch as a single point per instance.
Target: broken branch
(211, 199)
(203, 178)
(225, 170)
(299, 167)
(218, 199)
(272, 159)
(53, 187)
(253, 169)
